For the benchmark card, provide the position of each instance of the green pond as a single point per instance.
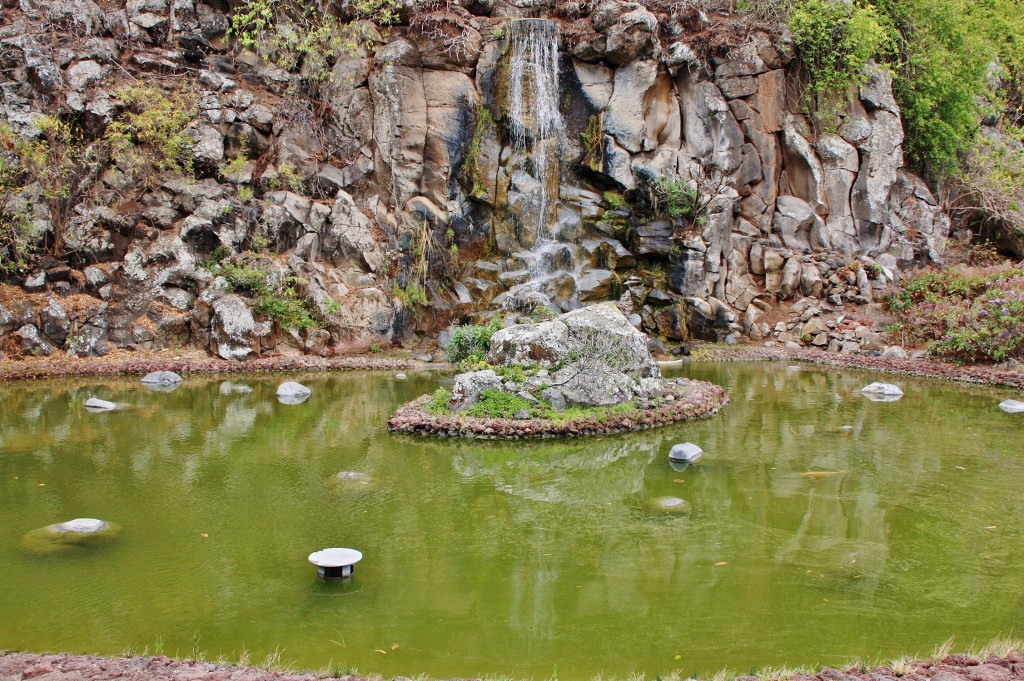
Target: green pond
(527, 559)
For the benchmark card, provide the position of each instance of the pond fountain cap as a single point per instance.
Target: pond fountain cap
(335, 563)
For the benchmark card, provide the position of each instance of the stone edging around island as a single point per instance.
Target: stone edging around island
(921, 368)
(699, 399)
(21, 370)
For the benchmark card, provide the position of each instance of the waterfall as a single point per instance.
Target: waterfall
(535, 131)
(535, 124)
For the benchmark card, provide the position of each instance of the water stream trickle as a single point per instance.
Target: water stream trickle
(536, 131)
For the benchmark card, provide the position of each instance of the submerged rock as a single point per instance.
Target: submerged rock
(65, 536)
(673, 505)
(350, 480)
(882, 392)
(96, 404)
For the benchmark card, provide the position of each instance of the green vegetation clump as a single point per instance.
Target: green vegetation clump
(964, 315)
(57, 164)
(153, 130)
(304, 39)
(438, 403)
(471, 342)
(281, 303)
(495, 403)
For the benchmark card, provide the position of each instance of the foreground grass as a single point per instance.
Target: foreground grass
(901, 666)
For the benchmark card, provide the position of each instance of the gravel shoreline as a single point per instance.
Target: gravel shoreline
(22, 370)
(128, 365)
(20, 666)
(922, 368)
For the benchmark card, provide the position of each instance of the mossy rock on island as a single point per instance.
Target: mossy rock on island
(67, 536)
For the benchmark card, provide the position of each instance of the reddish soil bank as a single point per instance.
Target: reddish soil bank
(128, 364)
(691, 400)
(975, 373)
(18, 666)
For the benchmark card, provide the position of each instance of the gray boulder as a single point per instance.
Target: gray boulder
(602, 333)
(161, 378)
(233, 328)
(1012, 406)
(469, 386)
(593, 385)
(96, 404)
(685, 452)
(32, 342)
(293, 389)
(544, 343)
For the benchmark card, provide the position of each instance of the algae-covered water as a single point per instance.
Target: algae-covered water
(527, 559)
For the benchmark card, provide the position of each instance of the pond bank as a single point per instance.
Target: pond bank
(922, 368)
(199, 364)
(19, 666)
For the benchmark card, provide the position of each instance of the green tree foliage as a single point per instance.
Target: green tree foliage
(954, 62)
(836, 39)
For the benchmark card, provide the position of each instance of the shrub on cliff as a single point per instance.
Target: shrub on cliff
(471, 342)
(964, 315)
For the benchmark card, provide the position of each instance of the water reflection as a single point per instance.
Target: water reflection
(820, 524)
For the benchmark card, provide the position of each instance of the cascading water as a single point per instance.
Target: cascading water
(534, 121)
(535, 133)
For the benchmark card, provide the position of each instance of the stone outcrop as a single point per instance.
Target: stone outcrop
(400, 202)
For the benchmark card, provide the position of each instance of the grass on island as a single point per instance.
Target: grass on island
(495, 403)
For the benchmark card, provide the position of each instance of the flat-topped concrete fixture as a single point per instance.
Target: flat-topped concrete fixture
(335, 563)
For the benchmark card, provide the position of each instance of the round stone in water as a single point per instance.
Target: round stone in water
(673, 505)
(82, 525)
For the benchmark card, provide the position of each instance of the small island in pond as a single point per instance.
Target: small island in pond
(585, 372)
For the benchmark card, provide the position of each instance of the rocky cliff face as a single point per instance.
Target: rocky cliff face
(396, 200)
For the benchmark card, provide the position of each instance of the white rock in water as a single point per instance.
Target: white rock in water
(401, 377)
(882, 389)
(82, 525)
(686, 452)
(99, 405)
(293, 389)
(1012, 406)
(161, 378)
